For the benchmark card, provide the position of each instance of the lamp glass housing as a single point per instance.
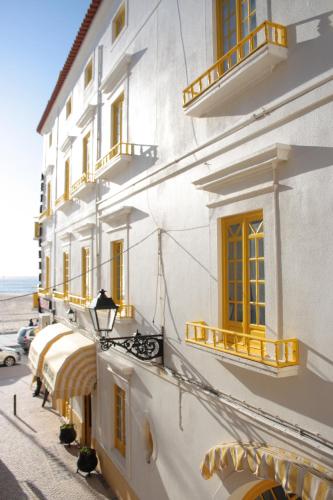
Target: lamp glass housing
(103, 312)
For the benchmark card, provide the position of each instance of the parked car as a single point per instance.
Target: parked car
(27, 339)
(9, 356)
(23, 331)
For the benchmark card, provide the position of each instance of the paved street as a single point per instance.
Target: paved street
(33, 465)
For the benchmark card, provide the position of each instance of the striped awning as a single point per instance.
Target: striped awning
(42, 343)
(69, 367)
(296, 474)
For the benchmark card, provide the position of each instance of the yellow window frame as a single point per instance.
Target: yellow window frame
(244, 325)
(65, 270)
(88, 73)
(244, 12)
(48, 201)
(118, 271)
(50, 139)
(47, 273)
(119, 419)
(67, 179)
(119, 22)
(266, 486)
(117, 120)
(85, 269)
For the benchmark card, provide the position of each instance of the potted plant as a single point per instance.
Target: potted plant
(87, 460)
(67, 433)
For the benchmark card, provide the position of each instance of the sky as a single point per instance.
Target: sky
(35, 38)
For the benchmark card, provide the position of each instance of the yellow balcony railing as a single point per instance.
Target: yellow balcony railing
(125, 312)
(59, 295)
(45, 214)
(85, 179)
(78, 300)
(62, 199)
(121, 148)
(44, 291)
(264, 34)
(277, 353)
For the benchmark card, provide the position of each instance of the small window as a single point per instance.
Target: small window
(85, 269)
(117, 121)
(47, 273)
(68, 107)
(119, 420)
(50, 139)
(119, 22)
(65, 272)
(118, 272)
(88, 73)
(86, 154)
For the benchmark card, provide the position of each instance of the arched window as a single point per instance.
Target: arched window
(269, 490)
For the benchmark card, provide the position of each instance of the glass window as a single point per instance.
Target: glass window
(244, 272)
(88, 73)
(119, 419)
(118, 272)
(68, 107)
(119, 22)
(85, 268)
(117, 119)
(86, 154)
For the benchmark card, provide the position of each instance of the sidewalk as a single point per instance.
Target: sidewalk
(33, 465)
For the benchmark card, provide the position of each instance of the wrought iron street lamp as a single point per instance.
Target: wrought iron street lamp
(103, 312)
(71, 315)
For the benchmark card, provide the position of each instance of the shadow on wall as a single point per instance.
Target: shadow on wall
(308, 393)
(306, 60)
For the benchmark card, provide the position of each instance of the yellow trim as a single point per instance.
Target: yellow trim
(119, 419)
(68, 107)
(271, 33)
(47, 273)
(118, 272)
(65, 270)
(121, 148)
(85, 270)
(86, 154)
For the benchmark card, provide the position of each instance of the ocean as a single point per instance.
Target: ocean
(18, 284)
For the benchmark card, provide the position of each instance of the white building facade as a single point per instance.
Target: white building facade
(187, 170)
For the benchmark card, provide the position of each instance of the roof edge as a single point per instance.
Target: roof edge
(79, 39)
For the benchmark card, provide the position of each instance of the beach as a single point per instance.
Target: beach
(16, 312)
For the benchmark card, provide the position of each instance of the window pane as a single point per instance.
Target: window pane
(252, 5)
(239, 312)
(253, 318)
(261, 270)
(231, 291)
(231, 274)
(239, 249)
(244, 10)
(261, 315)
(253, 22)
(233, 40)
(252, 248)
(267, 495)
(239, 292)
(232, 312)
(252, 292)
(256, 225)
(261, 292)
(235, 228)
(232, 4)
(239, 270)
(252, 270)
(233, 23)
(230, 251)
(260, 247)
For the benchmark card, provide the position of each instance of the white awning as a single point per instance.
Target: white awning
(42, 343)
(69, 367)
(296, 474)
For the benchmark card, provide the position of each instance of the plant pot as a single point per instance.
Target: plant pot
(67, 434)
(87, 460)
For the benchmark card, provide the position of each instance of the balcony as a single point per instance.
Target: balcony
(125, 312)
(118, 156)
(37, 230)
(82, 185)
(251, 60)
(59, 295)
(45, 292)
(46, 214)
(275, 357)
(62, 200)
(77, 300)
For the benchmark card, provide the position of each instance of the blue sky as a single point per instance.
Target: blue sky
(35, 38)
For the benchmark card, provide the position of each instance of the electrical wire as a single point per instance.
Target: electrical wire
(83, 274)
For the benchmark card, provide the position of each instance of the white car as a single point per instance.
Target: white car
(9, 356)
